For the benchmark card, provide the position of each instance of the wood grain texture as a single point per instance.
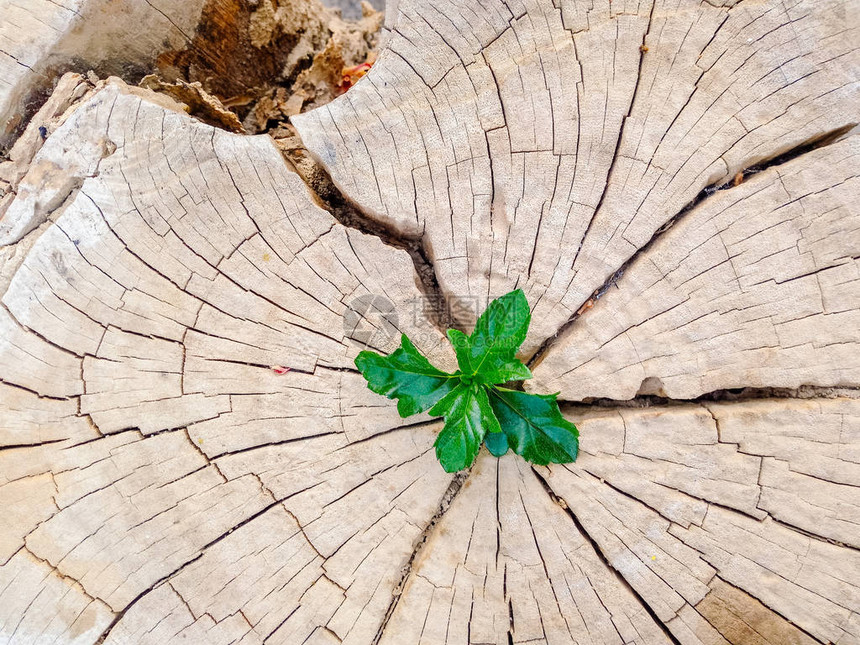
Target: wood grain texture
(164, 478)
(145, 434)
(756, 287)
(540, 145)
(507, 559)
(705, 555)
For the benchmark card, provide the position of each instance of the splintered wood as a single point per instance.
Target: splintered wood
(188, 455)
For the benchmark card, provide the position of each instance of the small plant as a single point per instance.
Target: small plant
(475, 406)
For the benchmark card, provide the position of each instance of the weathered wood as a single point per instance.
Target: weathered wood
(725, 299)
(38, 38)
(506, 558)
(172, 321)
(540, 145)
(670, 554)
(188, 455)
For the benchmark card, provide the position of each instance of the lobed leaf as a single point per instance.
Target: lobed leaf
(407, 376)
(468, 418)
(474, 407)
(489, 353)
(535, 427)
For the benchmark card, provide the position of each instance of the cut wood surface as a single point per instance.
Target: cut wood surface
(540, 146)
(188, 454)
(725, 300)
(139, 341)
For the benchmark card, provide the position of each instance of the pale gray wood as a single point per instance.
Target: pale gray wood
(541, 144)
(163, 481)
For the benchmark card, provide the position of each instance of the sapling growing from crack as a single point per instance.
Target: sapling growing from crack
(475, 404)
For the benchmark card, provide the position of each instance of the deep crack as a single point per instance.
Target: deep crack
(729, 395)
(447, 499)
(347, 213)
(821, 141)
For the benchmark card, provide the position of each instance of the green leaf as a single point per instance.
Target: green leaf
(504, 325)
(500, 330)
(463, 349)
(535, 427)
(493, 368)
(502, 371)
(407, 376)
(468, 417)
(489, 354)
(497, 443)
(474, 407)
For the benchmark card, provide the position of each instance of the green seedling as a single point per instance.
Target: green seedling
(472, 400)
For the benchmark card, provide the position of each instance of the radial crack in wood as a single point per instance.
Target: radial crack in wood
(188, 455)
(507, 560)
(172, 291)
(540, 145)
(681, 519)
(758, 286)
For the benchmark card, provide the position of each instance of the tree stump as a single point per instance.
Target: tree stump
(188, 454)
